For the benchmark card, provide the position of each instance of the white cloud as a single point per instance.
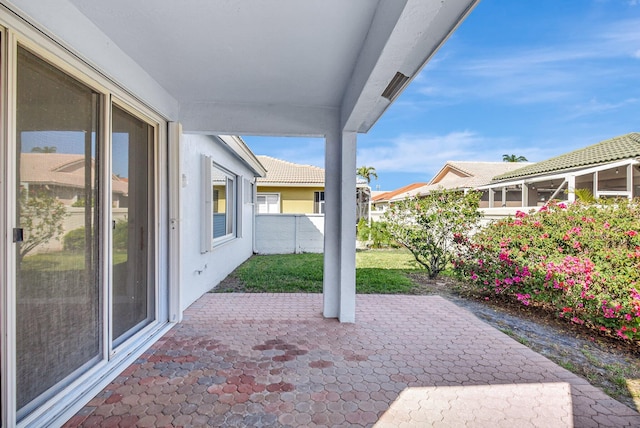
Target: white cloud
(562, 71)
(426, 154)
(416, 153)
(622, 38)
(593, 106)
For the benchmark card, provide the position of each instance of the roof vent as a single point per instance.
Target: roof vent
(396, 86)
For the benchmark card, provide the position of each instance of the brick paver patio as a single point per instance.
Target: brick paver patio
(258, 360)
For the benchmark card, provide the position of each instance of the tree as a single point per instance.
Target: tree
(367, 172)
(45, 149)
(41, 217)
(513, 158)
(435, 227)
(363, 195)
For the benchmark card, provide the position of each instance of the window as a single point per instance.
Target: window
(220, 201)
(268, 203)
(318, 202)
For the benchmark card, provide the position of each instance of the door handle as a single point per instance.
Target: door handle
(18, 234)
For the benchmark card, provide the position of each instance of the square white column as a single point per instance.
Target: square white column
(339, 283)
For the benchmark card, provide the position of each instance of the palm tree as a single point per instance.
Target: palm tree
(513, 158)
(367, 172)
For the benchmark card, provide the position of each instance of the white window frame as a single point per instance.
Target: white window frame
(266, 195)
(320, 202)
(68, 399)
(209, 241)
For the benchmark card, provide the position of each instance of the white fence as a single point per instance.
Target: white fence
(304, 233)
(289, 233)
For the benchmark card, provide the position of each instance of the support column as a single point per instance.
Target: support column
(524, 196)
(571, 188)
(339, 283)
(630, 180)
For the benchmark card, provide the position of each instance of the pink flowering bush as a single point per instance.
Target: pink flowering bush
(583, 261)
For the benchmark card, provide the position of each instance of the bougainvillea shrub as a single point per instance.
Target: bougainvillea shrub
(583, 261)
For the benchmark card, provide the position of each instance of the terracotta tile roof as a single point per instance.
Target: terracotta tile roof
(284, 172)
(60, 169)
(462, 175)
(387, 196)
(618, 148)
(477, 173)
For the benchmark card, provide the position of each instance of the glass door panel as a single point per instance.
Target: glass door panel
(132, 213)
(59, 299)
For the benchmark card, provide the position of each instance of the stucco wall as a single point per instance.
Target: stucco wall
(200, 272)
(289, 233)
(293, 200)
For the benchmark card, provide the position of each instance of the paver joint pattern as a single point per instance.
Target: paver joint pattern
(271, 360)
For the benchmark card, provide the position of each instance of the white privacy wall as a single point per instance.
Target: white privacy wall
(289, 233)
(200, 272)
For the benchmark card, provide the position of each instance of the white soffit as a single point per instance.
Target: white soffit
(280, 67)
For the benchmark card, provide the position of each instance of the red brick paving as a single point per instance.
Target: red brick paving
(259, 360)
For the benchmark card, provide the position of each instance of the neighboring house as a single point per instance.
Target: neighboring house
(464, 175)
(63, 176)
(290, 188)
(461, 175)
(609, 168)
(380, 201)
(111, 82)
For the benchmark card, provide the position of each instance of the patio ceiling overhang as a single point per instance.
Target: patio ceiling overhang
(285, 67)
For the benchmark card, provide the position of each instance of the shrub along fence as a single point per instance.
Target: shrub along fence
(581, 260)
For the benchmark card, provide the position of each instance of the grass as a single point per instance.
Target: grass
(62, 261)
(377, 271)
(621, 378)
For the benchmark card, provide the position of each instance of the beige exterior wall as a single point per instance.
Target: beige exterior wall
(293, 200)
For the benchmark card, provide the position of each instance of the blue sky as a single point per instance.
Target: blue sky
(532, 78)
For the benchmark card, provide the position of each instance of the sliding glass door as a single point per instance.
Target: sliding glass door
(86, 226)
(59, 322)
(133, 237)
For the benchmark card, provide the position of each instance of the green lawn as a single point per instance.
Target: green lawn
(62, 261)
(377, 271)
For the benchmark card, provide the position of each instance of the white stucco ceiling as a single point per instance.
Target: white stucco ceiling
(250, 51)
(288, 67)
